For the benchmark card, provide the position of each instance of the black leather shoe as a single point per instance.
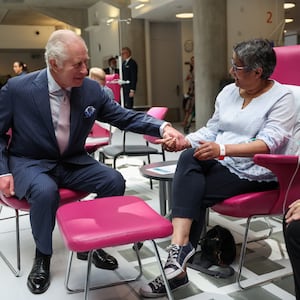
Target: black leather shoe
(100, 259)
(38, 279)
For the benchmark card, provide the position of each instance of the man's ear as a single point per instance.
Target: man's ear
(53, 65)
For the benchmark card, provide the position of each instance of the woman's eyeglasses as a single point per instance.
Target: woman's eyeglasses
(237, 68)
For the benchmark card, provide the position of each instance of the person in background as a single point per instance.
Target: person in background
(130, 73)
(99, 75)
(19, 68)
(252, 115)
(189, 98)
(112, 66)
(291, 232)
(58, 106)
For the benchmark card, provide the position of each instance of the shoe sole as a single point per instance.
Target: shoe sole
(152, 295)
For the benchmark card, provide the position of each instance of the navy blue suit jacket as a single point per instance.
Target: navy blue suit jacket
(25, 108)
(130, 71)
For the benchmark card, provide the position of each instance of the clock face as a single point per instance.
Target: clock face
(188, 46)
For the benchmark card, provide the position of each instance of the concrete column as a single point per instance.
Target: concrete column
(210, 51)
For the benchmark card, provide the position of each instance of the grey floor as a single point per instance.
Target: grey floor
(264, 259)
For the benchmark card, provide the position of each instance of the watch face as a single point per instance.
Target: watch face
(188, 45)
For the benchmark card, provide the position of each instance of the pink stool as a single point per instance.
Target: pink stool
(107, 222)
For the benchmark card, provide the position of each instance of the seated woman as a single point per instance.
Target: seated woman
(252, 115)
(291, 230)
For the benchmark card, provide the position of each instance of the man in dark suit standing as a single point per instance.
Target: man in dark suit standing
(130, 72)
(50, 113)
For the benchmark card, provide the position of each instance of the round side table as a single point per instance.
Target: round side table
(163, 172)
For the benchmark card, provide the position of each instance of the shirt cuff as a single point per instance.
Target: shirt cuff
(162, 127)
(5, 174)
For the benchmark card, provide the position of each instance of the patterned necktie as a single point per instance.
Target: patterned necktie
(63, 125)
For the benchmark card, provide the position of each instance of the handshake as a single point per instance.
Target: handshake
(173, 140)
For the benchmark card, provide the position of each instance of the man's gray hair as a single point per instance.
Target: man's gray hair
(57, 45)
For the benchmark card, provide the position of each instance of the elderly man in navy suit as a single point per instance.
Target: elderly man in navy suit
(51, 113)
(130, 74)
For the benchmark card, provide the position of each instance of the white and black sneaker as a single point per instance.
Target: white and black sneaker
(156, 288)
(177, 259)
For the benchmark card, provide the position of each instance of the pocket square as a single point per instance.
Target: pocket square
(89, 111)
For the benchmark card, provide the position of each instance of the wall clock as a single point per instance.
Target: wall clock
(188, 46)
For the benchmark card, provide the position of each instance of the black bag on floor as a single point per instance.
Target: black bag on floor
(218, 251)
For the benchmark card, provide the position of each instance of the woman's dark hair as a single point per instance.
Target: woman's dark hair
(257, 53)
(21, 64)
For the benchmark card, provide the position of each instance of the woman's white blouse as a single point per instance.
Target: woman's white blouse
(269, 117)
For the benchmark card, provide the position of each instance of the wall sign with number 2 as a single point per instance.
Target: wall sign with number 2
(269, 16)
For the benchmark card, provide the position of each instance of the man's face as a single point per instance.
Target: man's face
(125, 54)
(113, 63)
(74, 69)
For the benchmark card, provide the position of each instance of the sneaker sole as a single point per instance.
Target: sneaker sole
(152, 295)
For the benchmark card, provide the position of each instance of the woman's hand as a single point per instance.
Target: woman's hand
(293, 212)
(207, 150)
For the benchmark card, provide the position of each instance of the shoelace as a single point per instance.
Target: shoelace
(172, 257)
(173, 252)
(157, 282)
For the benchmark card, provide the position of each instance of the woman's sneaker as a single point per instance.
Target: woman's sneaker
(156, 288)
(177, 259)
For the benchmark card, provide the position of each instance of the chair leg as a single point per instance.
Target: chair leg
(244, 248)
(15, 270)
(169, 292)
(88, 273)
(87, 288)
(242, 254)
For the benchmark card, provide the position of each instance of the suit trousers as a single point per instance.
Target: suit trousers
(43, 194)
(128, 101)
(292, 240)
(199, 184)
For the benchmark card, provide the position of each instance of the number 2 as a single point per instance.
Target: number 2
(269, 18)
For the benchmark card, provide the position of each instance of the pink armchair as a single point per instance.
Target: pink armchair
(285, 167)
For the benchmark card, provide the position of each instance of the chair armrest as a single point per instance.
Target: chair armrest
(281, 165)
(287, 170)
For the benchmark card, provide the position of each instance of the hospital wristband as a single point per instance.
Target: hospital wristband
(222, 152)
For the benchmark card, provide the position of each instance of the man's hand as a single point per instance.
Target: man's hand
(7, 185)
(173, 140)
(293, 212)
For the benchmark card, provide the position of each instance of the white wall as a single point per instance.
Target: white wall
(104, 39)
(254, 19)
(24, 37)
(24, 43)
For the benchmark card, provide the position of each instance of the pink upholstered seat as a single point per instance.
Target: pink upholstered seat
(110, 221)
(287, 69)
(66, 196)
(98, 137)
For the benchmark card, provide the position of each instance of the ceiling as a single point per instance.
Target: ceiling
(38, 12)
